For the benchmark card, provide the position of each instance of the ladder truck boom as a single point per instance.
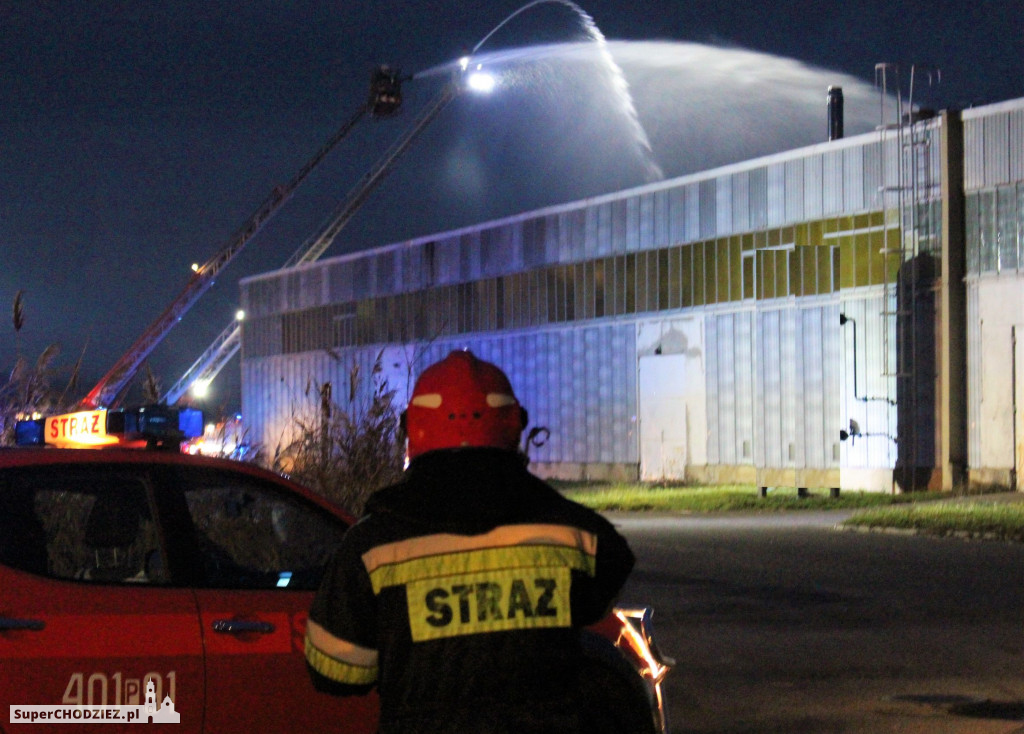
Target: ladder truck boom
(209, 364)
(313, 248)
(385, 99)
(227, 344)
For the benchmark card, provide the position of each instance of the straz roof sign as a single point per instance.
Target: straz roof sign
(85, 428)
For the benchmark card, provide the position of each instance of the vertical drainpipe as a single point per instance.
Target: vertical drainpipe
(952, 418)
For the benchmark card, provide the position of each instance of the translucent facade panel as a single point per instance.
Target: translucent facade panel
(993, 146)
(660, 232)
(693, 213)
(832, 179)
(723, 205)
(469, 256)
(576, 382)
(814, 184)
(1020, 222)
(534, 234)
(794, 193)
(714, 388)
(1016, 142)
(261, 297)
(677, 215)
(932, 158)
(996, 129)
(447, 253)
(619, 228)
(739, 184)
(871, 176)
(388, 275)
(292, 290)
(988, 245)
(995, 230)
(590, 239)
(780, 391)
(496, 250)
(815, 419)
(769, 450)
(573, 230)
(310, 287)
(743, 356)
(555, 234)
(853, 179)
(889, 172)
(1006, 229)
(261, 336)
(604, 229)
(972, 233)
(633, 223)
(708, 202)
(757, 200)
(974, 154)
(775, 198)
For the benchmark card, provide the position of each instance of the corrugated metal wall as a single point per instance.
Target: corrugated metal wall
(994, 187)
(868, 381)
(799, 386)
(730, 387)
(839, 178)
(779, 373)
(993, 145)
(581, 383)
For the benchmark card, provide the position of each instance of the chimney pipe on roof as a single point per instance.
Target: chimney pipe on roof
(835, 113)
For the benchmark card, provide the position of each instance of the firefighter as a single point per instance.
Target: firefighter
(462, 591)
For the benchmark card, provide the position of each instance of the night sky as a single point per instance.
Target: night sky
(136, 136)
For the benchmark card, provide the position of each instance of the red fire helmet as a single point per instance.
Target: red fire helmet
(463, 401)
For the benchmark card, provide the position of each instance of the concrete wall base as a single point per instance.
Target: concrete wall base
(985, 478)
(852, 479)
(587, 472)
(866, 480)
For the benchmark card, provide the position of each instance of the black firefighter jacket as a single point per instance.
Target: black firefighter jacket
(460, 595)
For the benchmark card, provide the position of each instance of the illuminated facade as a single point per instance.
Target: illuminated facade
(795, 320)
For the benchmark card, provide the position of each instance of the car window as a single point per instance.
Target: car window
(91, 524)
(256, 535)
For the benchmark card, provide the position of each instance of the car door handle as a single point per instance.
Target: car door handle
(236, 626)
(13, 623)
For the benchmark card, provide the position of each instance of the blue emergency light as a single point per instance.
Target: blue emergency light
(156, 425)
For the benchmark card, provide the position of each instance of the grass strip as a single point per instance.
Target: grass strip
(923, 512)
(722, 498)
(968, 519)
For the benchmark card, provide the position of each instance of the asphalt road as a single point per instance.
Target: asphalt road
(781, 623)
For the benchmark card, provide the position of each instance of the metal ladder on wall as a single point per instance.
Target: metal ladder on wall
(905, 187)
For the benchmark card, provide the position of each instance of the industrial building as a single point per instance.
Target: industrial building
(843, 315)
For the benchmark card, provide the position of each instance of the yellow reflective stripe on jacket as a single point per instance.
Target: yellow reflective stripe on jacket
(476, 561)
(506, 535)
(337, 659)
(579, 551)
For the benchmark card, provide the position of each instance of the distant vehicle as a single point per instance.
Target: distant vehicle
(125, 570)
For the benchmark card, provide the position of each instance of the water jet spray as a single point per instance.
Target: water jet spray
(618, 81)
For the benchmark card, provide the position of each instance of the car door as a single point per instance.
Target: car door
(87, 614)
(260, 551)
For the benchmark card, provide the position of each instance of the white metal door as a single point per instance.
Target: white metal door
(663, 418)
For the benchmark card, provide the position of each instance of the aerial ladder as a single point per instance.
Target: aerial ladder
(229, 341)
(384, 100)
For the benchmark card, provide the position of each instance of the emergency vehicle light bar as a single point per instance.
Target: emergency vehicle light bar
(149, 425)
